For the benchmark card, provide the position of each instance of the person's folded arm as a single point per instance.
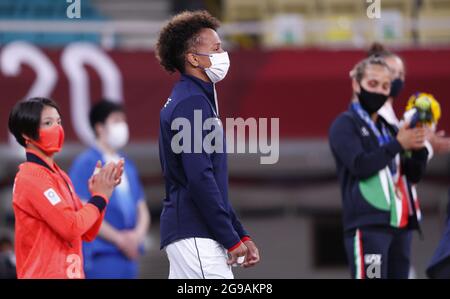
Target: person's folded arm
(94, 231)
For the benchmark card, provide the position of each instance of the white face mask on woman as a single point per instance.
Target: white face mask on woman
(220, 63)
(117, 135)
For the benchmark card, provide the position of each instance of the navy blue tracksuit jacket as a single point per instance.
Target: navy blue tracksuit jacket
(370, 240)
(196, 203)
(358, 156)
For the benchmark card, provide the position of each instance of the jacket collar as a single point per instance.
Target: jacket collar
(209, 86)
(35, 157)
(206, 87)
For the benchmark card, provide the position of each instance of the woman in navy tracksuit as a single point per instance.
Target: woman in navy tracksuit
(376, 165)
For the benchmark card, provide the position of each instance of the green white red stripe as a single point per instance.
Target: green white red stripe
(416, 203)
(359, 256)
(402, 188)
(380, 191)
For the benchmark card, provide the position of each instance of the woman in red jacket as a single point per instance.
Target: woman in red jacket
(50, 220)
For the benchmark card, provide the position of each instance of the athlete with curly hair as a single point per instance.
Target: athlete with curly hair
(199, 228)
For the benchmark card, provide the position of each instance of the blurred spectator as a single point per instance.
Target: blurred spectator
(7, 258)
(436, 141)
(114, 254)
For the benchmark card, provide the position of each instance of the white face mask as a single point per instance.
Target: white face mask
(220, 63)
(118, 135)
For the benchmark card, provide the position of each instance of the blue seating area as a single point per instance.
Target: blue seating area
(46, 10)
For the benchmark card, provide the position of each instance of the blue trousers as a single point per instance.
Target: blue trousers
(378, 252)
(111, 266)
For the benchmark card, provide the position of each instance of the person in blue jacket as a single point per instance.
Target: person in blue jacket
(115, 252)
(439, 266)
(200, 231)
(379, 209)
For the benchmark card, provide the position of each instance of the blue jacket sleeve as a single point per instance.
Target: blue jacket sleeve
(237, 225)
(199, 171)
(80, 172)
(346, 144)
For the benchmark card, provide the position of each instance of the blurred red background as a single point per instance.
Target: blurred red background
(306, 89)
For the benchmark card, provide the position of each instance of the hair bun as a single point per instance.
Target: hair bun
(378, 49)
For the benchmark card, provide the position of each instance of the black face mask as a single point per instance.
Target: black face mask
(371, 101)
(396, 87)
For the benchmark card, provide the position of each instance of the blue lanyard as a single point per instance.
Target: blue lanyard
(383, 136)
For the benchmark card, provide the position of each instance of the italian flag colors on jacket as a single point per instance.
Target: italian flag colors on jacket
(390, 193)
